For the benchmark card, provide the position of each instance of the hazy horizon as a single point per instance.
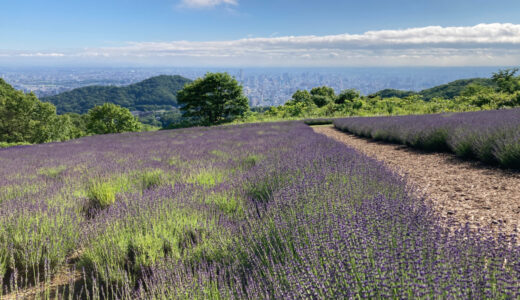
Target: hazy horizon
(263, 86)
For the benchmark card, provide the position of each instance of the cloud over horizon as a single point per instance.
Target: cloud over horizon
(483, 44)
(206, 3)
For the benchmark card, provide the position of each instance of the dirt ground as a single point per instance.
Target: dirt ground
(468, 191)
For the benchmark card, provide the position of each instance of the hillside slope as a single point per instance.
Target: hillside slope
(153, 93)
(446, 91)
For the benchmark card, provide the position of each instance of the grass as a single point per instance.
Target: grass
(52, 172)
(229, 203)
(7, 145)
(251, 160)
(152, 179)
(207, 178)
(101, 194)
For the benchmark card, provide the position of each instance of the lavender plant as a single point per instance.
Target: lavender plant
(489, 136)
(259, 211)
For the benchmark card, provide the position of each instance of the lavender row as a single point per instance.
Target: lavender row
(489, 136)
(263, 211)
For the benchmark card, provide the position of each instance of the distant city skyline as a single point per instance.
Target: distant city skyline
(263, 86)
(248, 33)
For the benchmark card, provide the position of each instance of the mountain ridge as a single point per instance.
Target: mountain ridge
(156, 92)
(447, 91)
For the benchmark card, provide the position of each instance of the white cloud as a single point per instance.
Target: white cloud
(40, 54)
(483, 44)
(206, 3)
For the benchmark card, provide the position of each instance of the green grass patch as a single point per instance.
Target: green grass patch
(101, 194)
(52, 172)
(137, 243)
(251, 161)
(173, 161)
(152, 179)
(7, 145)
(230, 204)
(219, 153)
(208, 178)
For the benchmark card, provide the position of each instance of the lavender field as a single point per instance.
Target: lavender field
(489, 136)
(262, 211)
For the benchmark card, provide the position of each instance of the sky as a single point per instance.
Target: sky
(229, 33)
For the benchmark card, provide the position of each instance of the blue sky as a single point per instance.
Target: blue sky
(165, 31)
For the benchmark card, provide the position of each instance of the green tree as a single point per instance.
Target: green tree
(79, 123)
(506, 80)
(63, 128)
(323, 95)
(347, 95)
(473, 89)
(216, 98)
(111, 118)
(302, 96)
(24, 118)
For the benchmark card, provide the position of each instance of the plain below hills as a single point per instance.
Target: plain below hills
(154, 93)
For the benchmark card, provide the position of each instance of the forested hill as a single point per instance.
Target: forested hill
(153, 93)
(446, 91)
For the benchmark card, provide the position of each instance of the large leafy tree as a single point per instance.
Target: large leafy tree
(347, 96)
(302, 96)
(323, 95)
(507, 81)
(24, 118)
(111, 118)
(216, 98)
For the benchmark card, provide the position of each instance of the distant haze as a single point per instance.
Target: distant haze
(263, 86)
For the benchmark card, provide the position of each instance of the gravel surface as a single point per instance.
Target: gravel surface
(467, 191)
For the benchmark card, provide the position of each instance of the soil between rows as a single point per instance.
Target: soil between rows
(467, 191)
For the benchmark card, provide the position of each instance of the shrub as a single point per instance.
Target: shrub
(101, 194)
(507, 152)
(462, 143)
(432, 140)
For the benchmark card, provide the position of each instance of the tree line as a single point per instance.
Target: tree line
(215, 99)
(26, 119)
(501, 91)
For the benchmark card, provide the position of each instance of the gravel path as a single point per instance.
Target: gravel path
(465, 190)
